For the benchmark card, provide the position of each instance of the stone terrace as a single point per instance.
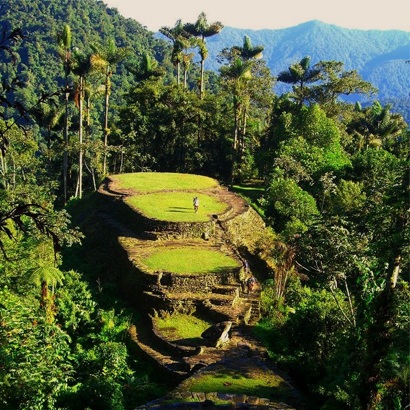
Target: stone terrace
(218, 296)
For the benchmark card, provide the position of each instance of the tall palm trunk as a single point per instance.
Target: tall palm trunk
(178, 74)
(106, 105)
(65, 154)
(80, 135)
(88, 127)
(4, 170)
(243, 134)
(64, 44)
(185, 77)
(235, 141)
(202, 80)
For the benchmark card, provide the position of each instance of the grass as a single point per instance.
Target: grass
(251, 193)
(176, 206)
(190, 260)
(252, 381)
(159, 181)
(177, 327)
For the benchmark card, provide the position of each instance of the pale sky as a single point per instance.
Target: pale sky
(270, 14)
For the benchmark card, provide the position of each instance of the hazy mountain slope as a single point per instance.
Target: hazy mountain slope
(378, 55)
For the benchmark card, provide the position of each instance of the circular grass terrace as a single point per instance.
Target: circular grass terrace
(237, 378)
(190, 261)
(176, 206)
(181, 328)
(160, 181)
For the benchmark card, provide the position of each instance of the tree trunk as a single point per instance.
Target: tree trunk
(77, 185)
(65, 154)
(202, 91)
(4, 170)
(396, 271)
(122, 160)
(43, 292)
(245, 119)
(88, 127)
(236, 126)
(178, 74)
(106, 105)
(241, 137)
(92, 173)
(234, 143)
(185, 77)
(80, 137)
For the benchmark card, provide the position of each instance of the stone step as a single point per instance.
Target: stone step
(217, 298)
(234, 314)
(226, 289)
(193, 400)
(173, 366)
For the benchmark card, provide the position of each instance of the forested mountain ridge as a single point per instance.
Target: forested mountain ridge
(379, 56)
(91, 22)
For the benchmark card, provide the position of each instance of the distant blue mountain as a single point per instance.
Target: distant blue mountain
(379, 56)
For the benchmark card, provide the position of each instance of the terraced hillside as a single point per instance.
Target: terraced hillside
(187, 272)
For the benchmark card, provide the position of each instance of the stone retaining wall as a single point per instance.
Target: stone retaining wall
(159, 302)
(163, 371)
(198, 400)
(245, 230)
(199, 283)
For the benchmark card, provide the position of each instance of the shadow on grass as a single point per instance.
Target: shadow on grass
(218, 271)
(223, 269)
(192, 341)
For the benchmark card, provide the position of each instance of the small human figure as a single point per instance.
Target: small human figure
(246, 266)
(196, 204)
(251, 284)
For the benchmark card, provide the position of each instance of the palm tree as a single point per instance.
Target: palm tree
(247, 51)
(378, 127)
(147, 69)
(43, 275)
(300, 74)
(174, 34)
(47, 116)
(91, 91)
(82, 68)
(236, 76)
(187, 43)
(64, 50)
(203, 30)
(110, 55)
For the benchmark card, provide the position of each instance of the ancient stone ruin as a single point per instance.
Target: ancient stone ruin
(217, 299)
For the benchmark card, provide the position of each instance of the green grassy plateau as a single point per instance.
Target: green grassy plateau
(252, 381)
(182, 327)
(176, 206)
(153, 181)
(190, 260)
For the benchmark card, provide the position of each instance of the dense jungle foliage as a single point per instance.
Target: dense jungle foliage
(85, 93)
